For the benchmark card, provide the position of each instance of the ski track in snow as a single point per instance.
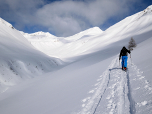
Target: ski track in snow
(116, 92)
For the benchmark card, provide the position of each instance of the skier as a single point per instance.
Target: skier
(124, 52)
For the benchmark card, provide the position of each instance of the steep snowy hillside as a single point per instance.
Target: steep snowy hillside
(139, 23)
(19, 60)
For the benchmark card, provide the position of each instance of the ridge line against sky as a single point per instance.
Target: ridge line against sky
(67, 17)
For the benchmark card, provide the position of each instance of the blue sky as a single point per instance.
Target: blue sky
(67, 17)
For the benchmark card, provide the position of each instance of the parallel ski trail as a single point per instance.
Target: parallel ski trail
(121, 93)
(132, 102)
(117, 95)
(92, 104)
(117, 92)
(113, 80)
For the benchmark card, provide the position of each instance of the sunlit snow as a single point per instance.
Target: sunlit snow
(81, 74)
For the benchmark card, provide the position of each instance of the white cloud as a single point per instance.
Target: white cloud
(67, 17)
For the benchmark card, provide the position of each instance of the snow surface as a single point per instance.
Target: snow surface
(19, 60)
(85, 77)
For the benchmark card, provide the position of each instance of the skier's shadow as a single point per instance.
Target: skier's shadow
(114, 69)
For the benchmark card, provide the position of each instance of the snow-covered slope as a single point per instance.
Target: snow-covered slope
(19, 60)
(61, 47)
(44, 42)
(95, 39)
(87, 33)
(94, 83)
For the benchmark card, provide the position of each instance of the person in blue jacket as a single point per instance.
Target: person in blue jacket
(124, 53)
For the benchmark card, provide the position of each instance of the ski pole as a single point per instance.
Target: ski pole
(119, 62)
(130, 58)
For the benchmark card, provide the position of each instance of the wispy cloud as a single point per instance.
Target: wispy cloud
(65, 17)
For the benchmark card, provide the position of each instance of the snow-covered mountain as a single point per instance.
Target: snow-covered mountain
(95, 39)
(59, 46)
(93, 83)
(19, 60)
(84, 34)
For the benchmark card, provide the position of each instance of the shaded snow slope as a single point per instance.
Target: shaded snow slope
(144, 58)
(19, 60)
(92, 85)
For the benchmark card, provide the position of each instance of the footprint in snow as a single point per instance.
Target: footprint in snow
(142, 103)
(84, 100)
(110, 105)
(148, 88)
(141, 77)
(110, 101)
(108, 97)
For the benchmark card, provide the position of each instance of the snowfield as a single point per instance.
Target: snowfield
(19, 59)
(81, 74)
